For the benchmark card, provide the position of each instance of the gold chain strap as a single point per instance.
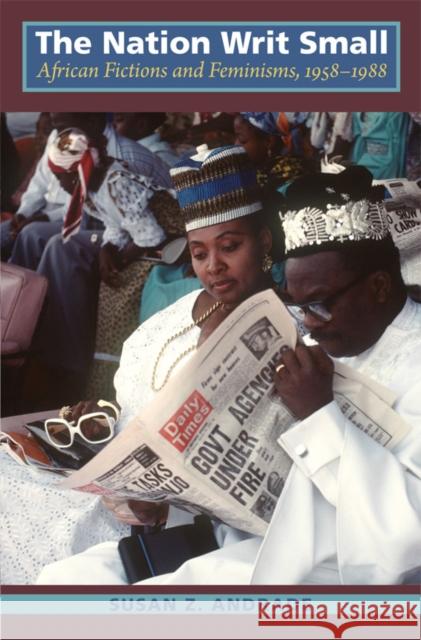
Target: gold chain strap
(182, 355)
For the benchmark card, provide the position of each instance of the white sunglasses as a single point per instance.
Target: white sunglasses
(95, 428)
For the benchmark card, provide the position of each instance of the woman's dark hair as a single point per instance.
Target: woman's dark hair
(269, 217)
(272, 203)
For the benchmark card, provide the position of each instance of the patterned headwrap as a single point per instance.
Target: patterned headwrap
(266, 121)
(216, 186)
(71, 152)
(278, 123)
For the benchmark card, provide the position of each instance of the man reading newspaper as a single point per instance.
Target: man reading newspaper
(349, 509)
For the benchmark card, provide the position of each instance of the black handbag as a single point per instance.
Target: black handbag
(152, 552)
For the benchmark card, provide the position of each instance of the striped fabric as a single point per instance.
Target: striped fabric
(216, 186)
(138, 158)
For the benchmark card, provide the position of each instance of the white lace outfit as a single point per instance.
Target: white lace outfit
(41, 524)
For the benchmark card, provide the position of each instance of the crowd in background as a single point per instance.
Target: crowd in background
(115, 271)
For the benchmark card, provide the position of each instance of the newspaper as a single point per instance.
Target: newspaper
(403, 206)
(209, 440)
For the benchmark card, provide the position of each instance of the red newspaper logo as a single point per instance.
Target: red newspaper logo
(184, 424)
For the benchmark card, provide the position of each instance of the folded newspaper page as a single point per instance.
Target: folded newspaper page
(209, 440)
(403, 206)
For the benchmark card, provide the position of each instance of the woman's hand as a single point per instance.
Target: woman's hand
(83, 407)
(72, 414)
(137, 512)
(149, 513)
(96, 428)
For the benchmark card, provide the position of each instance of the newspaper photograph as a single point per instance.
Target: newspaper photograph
(209, 441)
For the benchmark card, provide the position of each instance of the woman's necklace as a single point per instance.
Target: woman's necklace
(182, 355)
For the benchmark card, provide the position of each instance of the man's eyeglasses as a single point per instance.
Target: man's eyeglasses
(320, 308)
(95, 428)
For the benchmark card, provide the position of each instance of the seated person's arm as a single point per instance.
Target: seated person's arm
(34, 198)
(19, 221)
(376, 491)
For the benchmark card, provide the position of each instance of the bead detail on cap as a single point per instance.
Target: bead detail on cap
(352, 221)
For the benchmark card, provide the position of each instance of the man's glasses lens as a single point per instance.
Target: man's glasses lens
(321, 309)
(95, 429)
(59, 433)
(296, 312)
(317, 309)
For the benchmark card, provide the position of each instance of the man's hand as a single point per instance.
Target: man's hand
(109, 265)
(304, 380)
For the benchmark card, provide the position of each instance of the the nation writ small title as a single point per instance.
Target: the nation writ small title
(234, 42)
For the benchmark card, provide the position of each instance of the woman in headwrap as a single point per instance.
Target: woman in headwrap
(275, 143)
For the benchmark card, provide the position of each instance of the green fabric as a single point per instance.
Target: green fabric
(165, 285)
(278, 274)
(380, 140)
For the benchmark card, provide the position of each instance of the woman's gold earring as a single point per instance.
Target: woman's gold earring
(267, 263)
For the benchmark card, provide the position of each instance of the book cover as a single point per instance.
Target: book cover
(196, 57)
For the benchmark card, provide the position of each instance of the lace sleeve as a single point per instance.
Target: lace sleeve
(130, 195)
